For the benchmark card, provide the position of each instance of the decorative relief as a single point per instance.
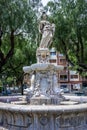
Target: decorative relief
(17, 120)
(1, 119)
(29, 120)
(5, 118)
(85, 116)
(10, 118)
(43, 120)
(59, 121)
(69, 121)
(42, 55)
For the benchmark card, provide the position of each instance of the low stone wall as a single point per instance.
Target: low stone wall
(61, 117)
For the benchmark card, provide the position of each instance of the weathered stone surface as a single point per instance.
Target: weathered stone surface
(68, 103)
(41, 100)
(43, 55)
(19, 102)
(44, 82)
(43, 117)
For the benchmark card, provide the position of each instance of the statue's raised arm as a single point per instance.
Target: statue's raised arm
(47, 30)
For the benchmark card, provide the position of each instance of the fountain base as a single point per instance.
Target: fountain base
(41, 100)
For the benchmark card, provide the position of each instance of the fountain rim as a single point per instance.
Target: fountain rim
(42, 67)
(43, 108)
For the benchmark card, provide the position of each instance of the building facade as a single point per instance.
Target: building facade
(68, 79)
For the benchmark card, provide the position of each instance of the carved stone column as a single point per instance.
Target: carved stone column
(43, 55)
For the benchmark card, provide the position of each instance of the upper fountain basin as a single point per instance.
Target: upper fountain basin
(42, 66)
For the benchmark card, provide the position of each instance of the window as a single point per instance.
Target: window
(74, 76)
(63, 77)
(52, 53)
(63, 86)
(62, 61)
(52, 61)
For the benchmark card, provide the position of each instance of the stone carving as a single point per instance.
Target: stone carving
(56, 88)
(43, 120)
(47, 30)
(17, 120)
(29, 120)
(43, 55)
(44, 83)
(31, 89)
(37, 91)
(44, 86)
(69, 121)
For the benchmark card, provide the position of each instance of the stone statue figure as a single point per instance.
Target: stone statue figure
(31, 89)
(47, 30)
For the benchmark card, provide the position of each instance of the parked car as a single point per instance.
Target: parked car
(66, 90)
(6, 92)
(85, 91)
(80, 93)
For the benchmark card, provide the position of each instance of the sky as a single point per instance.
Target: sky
(45, 2)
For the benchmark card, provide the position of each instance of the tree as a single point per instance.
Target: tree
(70, 18)
(17, 22)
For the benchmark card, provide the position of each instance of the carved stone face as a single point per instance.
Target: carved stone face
(43, 55)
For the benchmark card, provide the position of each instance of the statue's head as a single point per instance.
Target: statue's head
(44, 16)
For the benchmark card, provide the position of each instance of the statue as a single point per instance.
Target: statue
(47, 30)
(31, 89)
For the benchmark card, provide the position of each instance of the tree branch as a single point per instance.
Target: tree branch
(11, 51)
(65, 50)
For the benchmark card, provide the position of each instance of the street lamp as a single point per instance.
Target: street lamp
(14, 83)
(1, 32)
(4, 83)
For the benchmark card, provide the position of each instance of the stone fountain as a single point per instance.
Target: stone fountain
(44, 87)
(44, 110)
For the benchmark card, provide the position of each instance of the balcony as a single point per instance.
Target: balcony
(62, 62)
(63, 78)
(53, 57)
(74, 77)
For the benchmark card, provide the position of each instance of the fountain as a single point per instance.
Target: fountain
(44, 109)
(44, 84)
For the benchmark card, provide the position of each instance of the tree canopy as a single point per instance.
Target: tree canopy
(18, 28)
(19, 32)
(70, 18)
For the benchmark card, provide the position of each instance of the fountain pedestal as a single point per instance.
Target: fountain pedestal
(40, 100)
(44, 87)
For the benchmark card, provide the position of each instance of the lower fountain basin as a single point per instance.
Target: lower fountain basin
(43, 117)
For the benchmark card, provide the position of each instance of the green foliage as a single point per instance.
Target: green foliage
(70, 18)
(19, 17)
